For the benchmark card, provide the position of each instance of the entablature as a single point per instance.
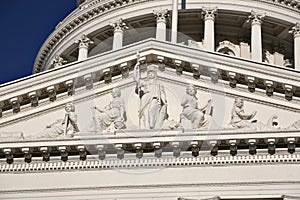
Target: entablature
(223, 145)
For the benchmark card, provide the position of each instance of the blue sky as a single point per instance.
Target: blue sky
(25, 25)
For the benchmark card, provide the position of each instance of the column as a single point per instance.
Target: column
(119, 27)
(161, 24)
(209, 28)
(174, 21)
(255, 19)
(83, 46)
(296, 32)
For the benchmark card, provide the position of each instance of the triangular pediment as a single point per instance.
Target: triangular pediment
(214, 100)
(217, 81)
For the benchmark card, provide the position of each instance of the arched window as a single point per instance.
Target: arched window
(228, 48)
(226, 51)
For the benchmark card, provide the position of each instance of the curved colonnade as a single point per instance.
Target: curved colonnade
(263, 31)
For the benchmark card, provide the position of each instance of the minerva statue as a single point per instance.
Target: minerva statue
(114, 113)
(192, 116)
(152, 102)
(65, 127)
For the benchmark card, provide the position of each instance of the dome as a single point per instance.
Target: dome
(232, 22)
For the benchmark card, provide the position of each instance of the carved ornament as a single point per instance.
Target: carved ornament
(161, 15)
(84, 41)
(295, 30)
(256, 17)
(58, 61)
(209, 13)
(119, 25)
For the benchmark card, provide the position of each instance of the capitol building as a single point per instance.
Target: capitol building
(160, 99)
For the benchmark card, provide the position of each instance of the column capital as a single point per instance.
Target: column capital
(119, 25)
(209, 13)
(58, 61)
(161, 15)
(256, 17)
(295, 30)
(84, 41)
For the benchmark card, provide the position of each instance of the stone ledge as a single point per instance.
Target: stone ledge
(149, 163)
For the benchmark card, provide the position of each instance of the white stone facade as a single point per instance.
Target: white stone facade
(122, 106)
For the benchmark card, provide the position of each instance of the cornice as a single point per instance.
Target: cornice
(159, 148)
(149, 163)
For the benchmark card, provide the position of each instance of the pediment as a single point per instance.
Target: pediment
(215, 106)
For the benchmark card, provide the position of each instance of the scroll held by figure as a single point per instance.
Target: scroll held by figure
(152, 99)
(192, 117)
(114, 113)
(65, 127)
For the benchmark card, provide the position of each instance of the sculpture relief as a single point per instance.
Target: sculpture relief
(114, 113)
(192, 116)
(294, 126)
(239, 119)
(272, 124)
(11, 136)
(152, 102)
(65, 127)
(153, 113)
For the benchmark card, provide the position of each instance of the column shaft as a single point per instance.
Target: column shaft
(83, 52)
(296, 33)
(209, 35)
(297, 51)
(174, 21)
(256, 42)
(161, 30)
(118, 39)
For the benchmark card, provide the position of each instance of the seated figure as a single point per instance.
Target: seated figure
(62, 127)
(239, 119)
(113, 113)
(192, 116)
